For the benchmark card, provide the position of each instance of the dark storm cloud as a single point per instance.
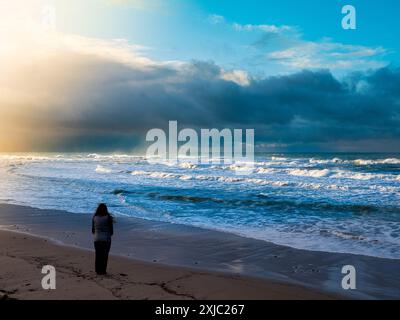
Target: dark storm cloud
(99, 104)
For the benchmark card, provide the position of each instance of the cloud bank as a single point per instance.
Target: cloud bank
(72, 93)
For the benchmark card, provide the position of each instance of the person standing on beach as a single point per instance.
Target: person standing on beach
(103, 230)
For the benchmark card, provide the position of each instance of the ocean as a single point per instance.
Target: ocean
(345, 203)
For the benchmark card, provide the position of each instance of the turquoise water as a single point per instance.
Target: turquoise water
(328, 202)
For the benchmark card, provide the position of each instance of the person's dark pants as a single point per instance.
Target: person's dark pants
(102, 250)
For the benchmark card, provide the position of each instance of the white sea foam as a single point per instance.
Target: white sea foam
(101, 169)
(362, 176)
(186, 177)
(188, 165)
(363, 162)
(346, 235)
(385, 189)
(265, 170)
(230, 179)
(154, 174)
(353, 175)
(309, 173)
(240, 167)
(320, 161)
(317, 186)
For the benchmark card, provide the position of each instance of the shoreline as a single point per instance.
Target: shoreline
(177, 246)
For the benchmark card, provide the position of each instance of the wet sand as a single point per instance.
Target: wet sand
(155, 255)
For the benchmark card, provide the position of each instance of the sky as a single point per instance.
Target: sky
(96, 75)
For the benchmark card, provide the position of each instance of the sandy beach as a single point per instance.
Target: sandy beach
(22, 257)
(155, 260)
